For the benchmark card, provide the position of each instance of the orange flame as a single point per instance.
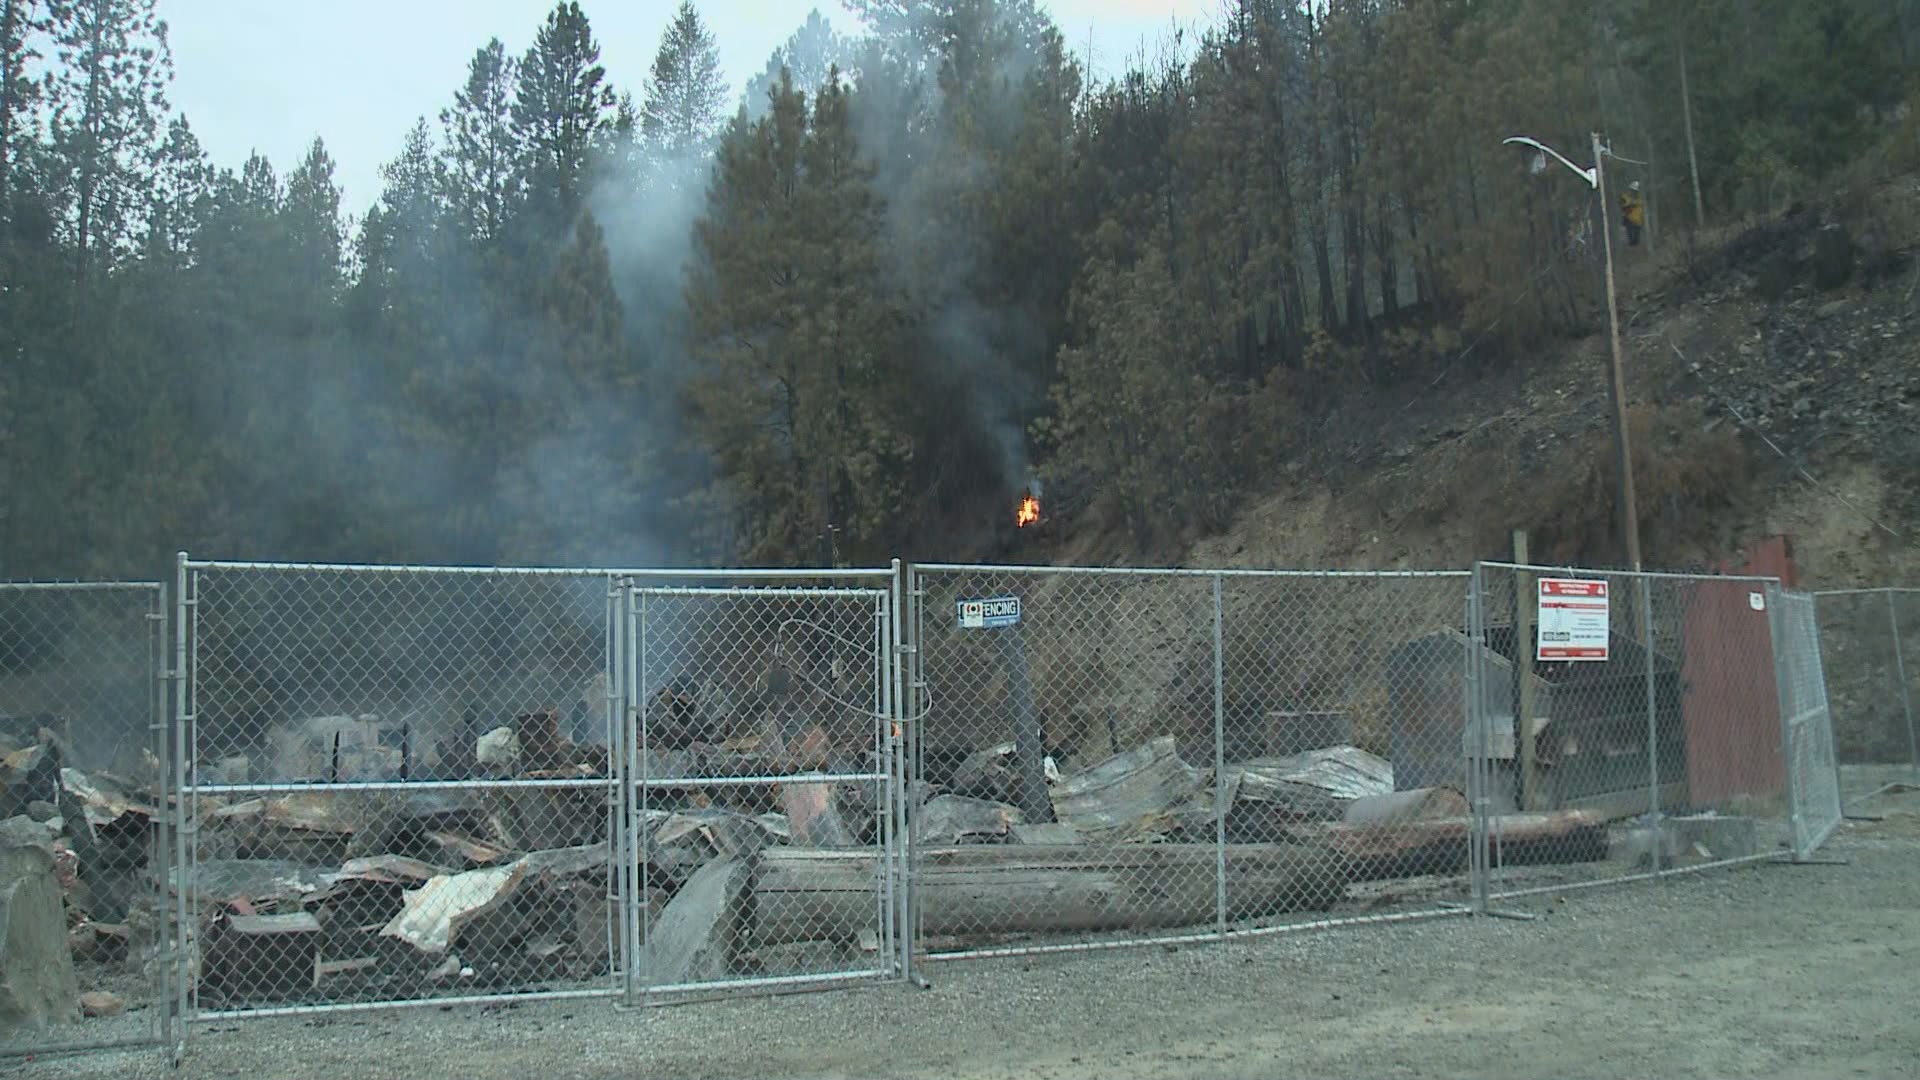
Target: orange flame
(1028, 512)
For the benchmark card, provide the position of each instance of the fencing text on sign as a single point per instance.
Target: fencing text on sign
(989, 614)
(1573, 620)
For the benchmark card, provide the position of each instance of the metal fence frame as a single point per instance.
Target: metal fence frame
(876, 590)
(1807, 820)
(906, 658)
(624, 786)
(151, 623)
(1900, 676)
(1211, 621)
(1806, 721)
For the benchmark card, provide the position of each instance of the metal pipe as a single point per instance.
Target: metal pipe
(1219, 766)
(643, 881)
(160, 732)
(1900, 672)
(1783, 689)
(1124, 571)
(1652, 575)
(768, 593)
(30, 585)
(765, 573)
(1653, 725)
(415, 1003)
(289, 788)
(186, 615)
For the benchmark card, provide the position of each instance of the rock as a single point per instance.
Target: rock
(1833, 308)
(37, 982)
(954, 819)
(41, 810)
(698, 934)
(499, 748)
(23, 830)
(99, 1003)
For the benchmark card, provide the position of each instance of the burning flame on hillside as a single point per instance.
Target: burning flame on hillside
(1028, 512)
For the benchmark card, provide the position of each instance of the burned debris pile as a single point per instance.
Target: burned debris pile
(763, 854)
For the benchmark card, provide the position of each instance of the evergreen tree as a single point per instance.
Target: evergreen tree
(798, 335)
(561, 108)
(107, 93)
(809, 55)
(685, 93)
(20, 20)
(482, 145)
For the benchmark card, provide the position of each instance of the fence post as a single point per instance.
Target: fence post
(1900, 673)
(1783, 690)
(897, 785)
(183, 724)
(1653, 728)
(1476, 742)
(1219, 767)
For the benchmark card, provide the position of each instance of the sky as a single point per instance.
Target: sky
(270, 75)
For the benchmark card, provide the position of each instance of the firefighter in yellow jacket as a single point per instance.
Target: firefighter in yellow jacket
(1633, 212)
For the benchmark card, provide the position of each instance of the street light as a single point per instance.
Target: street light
(1596, 178)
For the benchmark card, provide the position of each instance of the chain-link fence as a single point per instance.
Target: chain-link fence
(414, 785)
(764, 781)
(1813, 771)
(399, 786)
(1868, 644)
(1633, 724)
(84, 944)
(1111, 757)
(406, 785)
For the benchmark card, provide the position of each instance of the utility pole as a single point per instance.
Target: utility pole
(1629, 507)
(1596, 178)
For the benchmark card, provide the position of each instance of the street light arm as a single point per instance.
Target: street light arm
(1593, 181)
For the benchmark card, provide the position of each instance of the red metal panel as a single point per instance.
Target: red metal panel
(1730, 704)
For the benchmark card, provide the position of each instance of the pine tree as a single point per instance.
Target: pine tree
(182, 188)
(798, 335)
(19, 21)
(107, 94)
(483, 180)
(809, 55)
(685, 99)
(311, 216)
(561, 108)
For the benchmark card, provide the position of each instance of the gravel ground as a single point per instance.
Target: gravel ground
(1770, 971)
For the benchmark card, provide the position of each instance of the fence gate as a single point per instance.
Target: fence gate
(82, 797)
(1806, 720)
(761, 783)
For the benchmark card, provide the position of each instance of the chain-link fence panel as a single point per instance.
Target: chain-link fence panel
(764, 785)
(1867, 645)
(82, 803)
(1342, 723)
(1113, 757)
(1065, 794)
(1633, 725)
(1813, 773)
(399, 786)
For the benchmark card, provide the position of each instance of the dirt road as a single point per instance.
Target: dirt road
(1770, 972)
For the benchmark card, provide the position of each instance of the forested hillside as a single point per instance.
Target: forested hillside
(857, 307)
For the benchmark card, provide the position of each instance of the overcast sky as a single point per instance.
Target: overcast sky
(271, 74)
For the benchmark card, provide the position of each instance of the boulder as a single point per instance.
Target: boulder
(697, 936)
(37, 982)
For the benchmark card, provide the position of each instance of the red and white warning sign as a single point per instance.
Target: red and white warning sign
(1573, 620)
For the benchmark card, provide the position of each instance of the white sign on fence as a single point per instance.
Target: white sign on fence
(1573, 620)
(989, 614)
